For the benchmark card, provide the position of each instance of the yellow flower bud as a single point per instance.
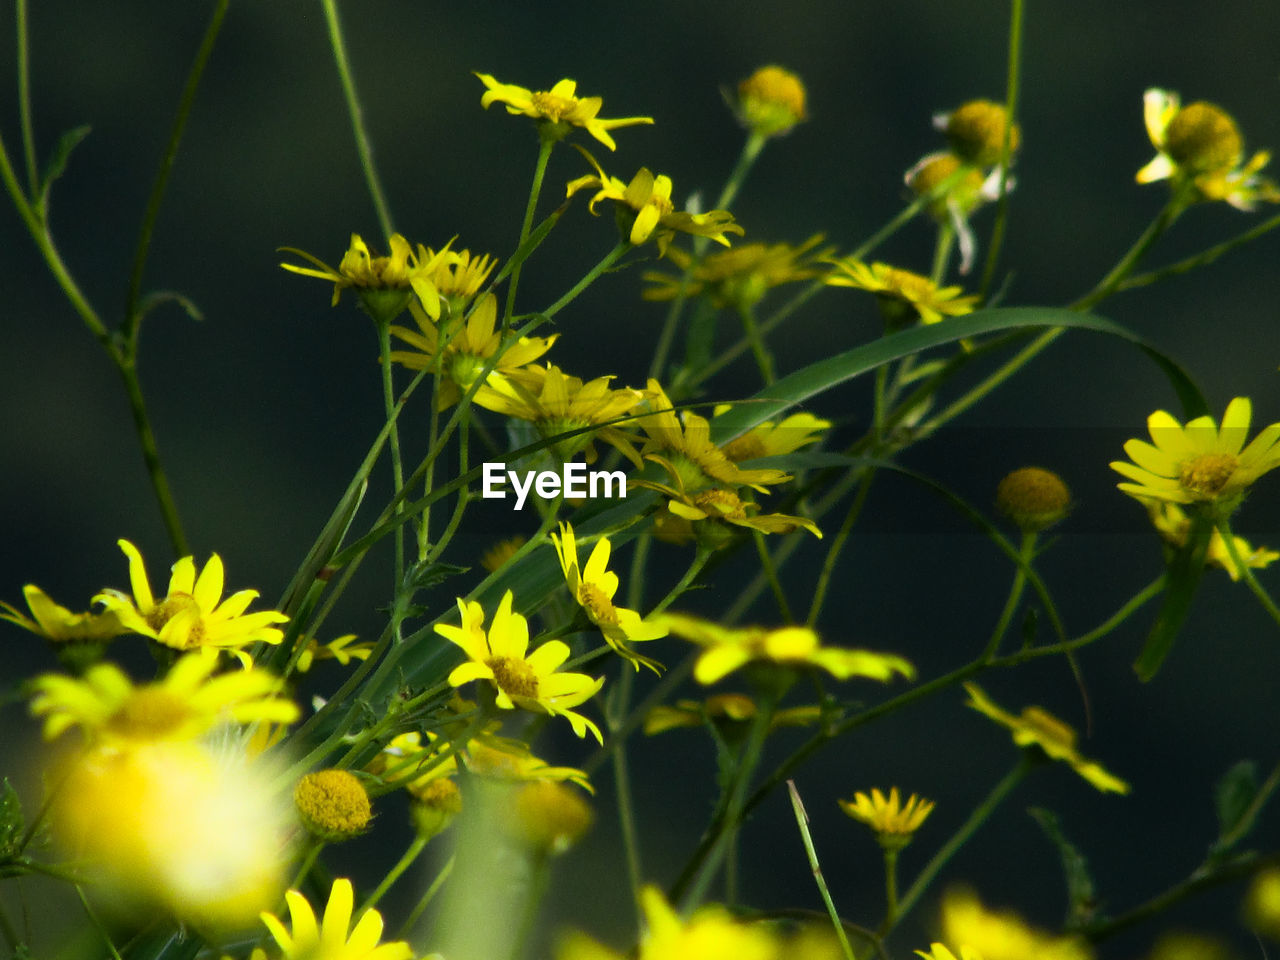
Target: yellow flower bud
(976, 131)
(932, 172)
(433, 807)
(549, 816)
(1033, 498)
(1202, 138)
(333, 805)
(771, 101)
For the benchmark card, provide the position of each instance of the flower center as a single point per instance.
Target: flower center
(151, 713)
(552, 107)
(514, 677)
(599, 607)
(1206, 475)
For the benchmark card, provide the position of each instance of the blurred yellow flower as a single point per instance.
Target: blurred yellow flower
(726, 649)
(342, 650)
(593, 587)
(939, 951)
(888, 816)
(530, 682)
(1002, 935)
(771, 101)
(192, 615)
(903, 295)
(975, 132)
(557, 109)
(718, 506)
(655, 215)
(57, 623)
(496, 557)
(1173, 525)
(1037, 727)
(730, 712)
(739, 277)
(1262, 903)
(1201, 143)
(955, 190)
(186, 704)
(1200, 463)
(333, 938)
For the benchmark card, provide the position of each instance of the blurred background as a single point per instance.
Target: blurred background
(264, 409)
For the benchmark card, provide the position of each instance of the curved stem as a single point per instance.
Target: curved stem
(1012, 85)
(837, 545)
(605, 263)
(539, 171)
(1264, 598)
(411, 854)
(1025, 554)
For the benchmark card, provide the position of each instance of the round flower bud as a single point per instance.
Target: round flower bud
(939, 168)
(333, 805)
(1033, 498)
(433, 807)
(976, 129)
(1202, 138)
(771, 101)
(1262, 904)
(549, 817)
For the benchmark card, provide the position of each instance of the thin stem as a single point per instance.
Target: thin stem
(427, 897)
(802, 821)
(393, 438)
(363, 145)
(1224, 531)
(1204, 258)
(771, 571)
(605, 263)
(539, 171)
(1025, 554)
(411, 854)
(27, 124)
(1012, 85)
(891, 908)
(837, 545)
(1163, 221)
(746, 160)
(97, 924)
(186, 101)
(308, 861)
(764, 359)
(942, 252)
(626, 806)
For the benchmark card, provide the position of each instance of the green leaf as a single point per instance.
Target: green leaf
(1182, 577)
(1233, 796)
(57, 165)
(12, 824)
(1082, 901)
(423, 575)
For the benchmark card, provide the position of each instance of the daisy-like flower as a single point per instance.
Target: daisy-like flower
(192, 614)
(557, 109)
(1002, 935)
(593, 587)
(956, 190)
(1201, 143)
(466, 349)
(459, 277)
(730, 712)
(185, 705)
(556, 403)
(649, 199)
(712, 933)
(1037, 727)
(718, 506)
(726, 649)
(57, 623)
(770, 439)
(903, 295)
(771, 101)
(1173, 525)
(385, 284)
(893, 821)
(343, 650)
(1200, 463)
(521, 679)
(739, 277)
(333, 938)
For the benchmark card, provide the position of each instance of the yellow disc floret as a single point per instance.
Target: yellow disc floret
(1033, 498)
(771, 101)
(1202, 137)
(333, 805)
(976, 132)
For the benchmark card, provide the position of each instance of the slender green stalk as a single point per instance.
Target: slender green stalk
(1126, 265)
(1025, 554)
(364, 146)
(545, 145)
(949, 849)
(426, 898)
(393, 439)
(891, 907)
(771, 572)
(802, 821)
(1011, 88)
(97, 924)
(411, 854)
(25, 121)
(1264, 598)
(605, 263)
(837, 545)
(156, 197)
(942, 252)
(746, 160)
(624, 799)
(535, 892)
(764, 359)
(1202, 259)
(151, 458)
(308, 861)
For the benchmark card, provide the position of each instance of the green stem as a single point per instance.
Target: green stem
(363, 145)
(891, 908)
(1025, 554)
(764, 359)
(97, 924)
(976, 819)
(427, 897)
(1204, 258)
(605, 263)
(626, 806)
(837, 545)
(1224, 531)
(539, 171)
(132, 319)
(536, 891)
(1012, 85)
(27, 124)
(151, 458)
(746, 160)
(771, 572)
(802, 821)
(308, 861)
(1163, 221)
(942, 252)
(393, 439)
(411, 854)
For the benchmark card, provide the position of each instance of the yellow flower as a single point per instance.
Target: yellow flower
(557, 109)
(186, 704)
(1173, 525)
(341, 649)
(739, 277)
(1262, 903)
(726, 649)
(730, 712)
(1002, 935)
(192, 614)
(1200, 463)
(939, 951)
(1200, 143)
(57, 623)
(467, 349)
(771, 101)
(769, 439)
(547, 817)
(716, 506)
(529, 682)
(1033, 498)
(459, 277)
(712, 933)
(196, 833)
(955, 190)
(649, 198)
(976, 130)
(496, 557)
(889, 817)
(593, 588)
(557, 403)
(902, 294)
(1037, 727)
(333, 938)
(332, 804)
(501, 758)
(385, 284)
